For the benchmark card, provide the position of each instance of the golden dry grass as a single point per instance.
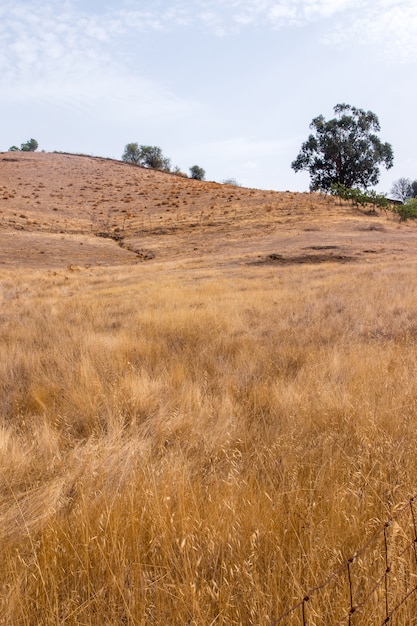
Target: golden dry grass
(198, 449)
(200, 439)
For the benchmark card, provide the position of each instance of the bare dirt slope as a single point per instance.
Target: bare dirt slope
(59, 210)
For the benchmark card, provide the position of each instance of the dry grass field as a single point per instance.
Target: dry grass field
(208, 399)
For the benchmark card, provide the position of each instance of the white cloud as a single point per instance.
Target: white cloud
(67, 58)
(74, 55)
(380, 23)
(390, 27)
(367, 20)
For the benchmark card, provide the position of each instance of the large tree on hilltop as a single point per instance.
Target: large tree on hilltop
(344, 150)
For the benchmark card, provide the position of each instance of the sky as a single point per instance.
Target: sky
(229, 85)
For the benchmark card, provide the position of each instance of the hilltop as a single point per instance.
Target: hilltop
(59, 210)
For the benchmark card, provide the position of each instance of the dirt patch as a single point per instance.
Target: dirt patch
(279, 259)
(322, 248)
(378, 227)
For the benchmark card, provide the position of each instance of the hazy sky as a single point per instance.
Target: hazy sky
(230, 85)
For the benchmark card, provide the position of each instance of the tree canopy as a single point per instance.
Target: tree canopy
(197, 172)
(344, 150)
(29, 146)
(147, 156)
(131, 153)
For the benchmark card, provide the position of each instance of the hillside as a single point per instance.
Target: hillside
(58, 210)
(207, 402)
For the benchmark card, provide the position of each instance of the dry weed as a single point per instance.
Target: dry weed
(191, 449)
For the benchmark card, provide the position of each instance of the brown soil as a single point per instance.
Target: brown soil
(59, 210)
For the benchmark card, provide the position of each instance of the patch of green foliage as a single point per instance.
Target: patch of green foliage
(406, 211)
(29, 146)
(359, 197)
(197, 172)
(146, 156)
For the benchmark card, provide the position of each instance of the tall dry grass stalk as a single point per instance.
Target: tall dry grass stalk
(190, 449)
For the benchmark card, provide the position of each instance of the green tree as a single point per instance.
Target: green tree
(131, 153)
(147, 156)
(344, 150)
(197, 172)
(151, 156)
(406, 211)
(29, 146)
(359, 197)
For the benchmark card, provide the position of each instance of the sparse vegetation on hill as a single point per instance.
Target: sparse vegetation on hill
(29, 146)
(360, 198)
(407, 210)
(147, 156)
(231, 181)
(62, 202)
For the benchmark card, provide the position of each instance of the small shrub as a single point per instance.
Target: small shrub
(406, 211)
(231, 181)
(197, 172)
